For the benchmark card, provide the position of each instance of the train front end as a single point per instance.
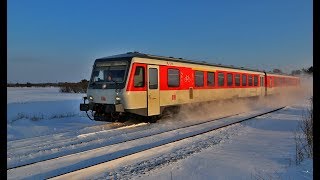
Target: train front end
(104, 101)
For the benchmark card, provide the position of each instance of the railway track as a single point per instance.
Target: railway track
(35, 139)
(107, 142)
(78, 161)
(55, 142)
(52, 140)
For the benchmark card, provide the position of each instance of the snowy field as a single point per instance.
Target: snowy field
(43, 123)
(39, 111)
(262, 148)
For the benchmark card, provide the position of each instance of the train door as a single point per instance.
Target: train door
(265, 83)
(262, 89)
(153, 90)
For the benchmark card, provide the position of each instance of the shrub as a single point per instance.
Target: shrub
(304, 136)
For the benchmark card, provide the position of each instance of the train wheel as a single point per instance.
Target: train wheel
(153, 119)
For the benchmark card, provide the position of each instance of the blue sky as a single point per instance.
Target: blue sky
(58, 40)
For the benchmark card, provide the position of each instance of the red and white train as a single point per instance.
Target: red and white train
(147, 85)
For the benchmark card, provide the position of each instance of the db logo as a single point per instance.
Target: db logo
(103, 98)
(187, 78)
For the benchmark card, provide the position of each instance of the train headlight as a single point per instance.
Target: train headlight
(118, 98)
(90, 98)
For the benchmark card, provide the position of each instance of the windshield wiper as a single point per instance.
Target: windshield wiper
(92, 84)
(117, 83)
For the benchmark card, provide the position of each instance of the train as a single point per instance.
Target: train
(148, 85)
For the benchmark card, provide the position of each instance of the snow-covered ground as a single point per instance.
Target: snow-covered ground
(43, 123)
(38, 111)
(262, 148)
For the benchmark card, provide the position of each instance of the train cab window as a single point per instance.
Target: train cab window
(199, 78)
(139, 77)
(221, 79)
(237, 79)
(173, 77)
(250, 80)
(230, 79)
(244, 80)
(210, 79)
(255, 80)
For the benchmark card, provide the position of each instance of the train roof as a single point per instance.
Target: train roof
(142, 55)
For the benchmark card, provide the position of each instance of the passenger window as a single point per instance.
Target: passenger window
(199, 78)
(173, 77)
(250, 80)
(244, 80)
(237, 79)
(276, 82)
(153, 78)
(210, 79)
(221, 79)
(139, 77)
(230, 79)
(255, 78)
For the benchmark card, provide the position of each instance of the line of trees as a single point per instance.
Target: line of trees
(297, 72)
(65, 87)
(80, 87)
(303, 71)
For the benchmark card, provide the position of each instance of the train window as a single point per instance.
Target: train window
(139, 78)
(276, 81)
(210, 79)
(153, 78)
(261, 81)
(173, 77)
(221, 79)
(250, 80)
(237, 79)
(199, 78)
(255, 78)
(280, 81)
(244, 80)
(230, 79)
